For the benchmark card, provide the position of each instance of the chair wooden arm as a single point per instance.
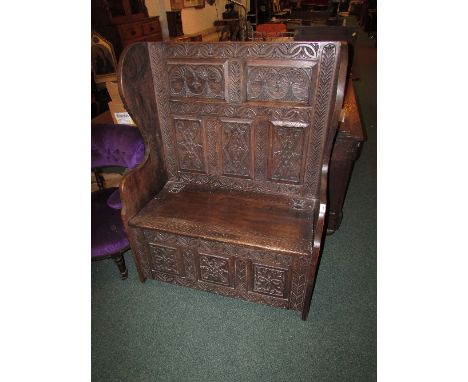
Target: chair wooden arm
(138, 186)
(137, 92)
(319, 225)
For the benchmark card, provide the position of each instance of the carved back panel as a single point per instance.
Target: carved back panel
(250, 116)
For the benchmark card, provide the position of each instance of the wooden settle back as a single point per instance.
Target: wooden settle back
(246, 116)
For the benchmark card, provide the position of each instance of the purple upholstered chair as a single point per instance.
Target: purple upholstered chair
(111, 145)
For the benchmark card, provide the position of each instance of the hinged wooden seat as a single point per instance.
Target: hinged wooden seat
(231, 197)
(271, 222)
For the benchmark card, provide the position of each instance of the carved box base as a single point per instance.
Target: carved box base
(221, 244)
(247, 273)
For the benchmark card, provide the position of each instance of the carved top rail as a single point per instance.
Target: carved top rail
(247, 116)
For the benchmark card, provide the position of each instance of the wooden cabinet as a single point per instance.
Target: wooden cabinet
(147, 29)
(123, 22)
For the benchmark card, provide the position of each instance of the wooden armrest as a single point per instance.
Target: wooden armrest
(319, 223)
(320, 219)
(139, 185)
(137, 92)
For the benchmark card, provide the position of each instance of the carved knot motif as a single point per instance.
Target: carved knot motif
(269, 281)
(196, 81)
(190, 146)
(214, 269)
(287, 153)
(236, 148)
(285, 84)
(164, 259)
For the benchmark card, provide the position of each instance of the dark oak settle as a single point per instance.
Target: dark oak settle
(232, 194)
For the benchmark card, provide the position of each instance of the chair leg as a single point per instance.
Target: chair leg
(120, 261)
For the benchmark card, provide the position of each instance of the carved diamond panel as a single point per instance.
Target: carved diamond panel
(164, 259)
(237, 150)
(278, 84)
(214, 269)
(206, 81)
(190, 144)
(286, 153)
(269, 281)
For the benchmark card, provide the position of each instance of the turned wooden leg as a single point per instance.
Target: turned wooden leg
(120, 261)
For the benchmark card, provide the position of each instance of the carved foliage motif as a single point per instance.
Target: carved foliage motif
(189, 137)
(160, 82)
(289, 114)
(261, 140)
(205, 81)
(278, 84)
(240, 184)
(164, 259)
(299, 284)
(214, 269)
(269, 281)
(235, 92)
(322, 107)
(286, 153)
(236, 149)
(241, 280)
(188, 264)
(212, 132)
(294, 51)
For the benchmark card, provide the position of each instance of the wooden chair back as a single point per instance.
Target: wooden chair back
(247, 116)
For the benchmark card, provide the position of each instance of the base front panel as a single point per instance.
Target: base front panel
(237, 271)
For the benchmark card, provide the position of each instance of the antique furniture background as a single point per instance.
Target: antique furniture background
(232, 195)
(177, 5)
(194, 3)
(111, 146)
(103, 60)
(346, 150)
(329, 33)
(123, 22)
(271, 32)
(174, 23)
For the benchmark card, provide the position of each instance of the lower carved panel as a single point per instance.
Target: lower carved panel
(164, 259)
(214, 269)
(260, 276)
(269, 281)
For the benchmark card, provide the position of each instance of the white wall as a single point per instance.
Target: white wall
(196, 20)
(193, 20)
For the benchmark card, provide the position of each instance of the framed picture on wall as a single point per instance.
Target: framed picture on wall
(194, 3)
(177, 5)
(103, 61)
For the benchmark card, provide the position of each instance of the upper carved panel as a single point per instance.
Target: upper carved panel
(282, 91)
(206, 81)
(293, 51)
(237, 150)
(286, 153)
(190, 149)
(278, 84)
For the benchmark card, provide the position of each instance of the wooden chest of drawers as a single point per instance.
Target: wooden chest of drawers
(148, 29)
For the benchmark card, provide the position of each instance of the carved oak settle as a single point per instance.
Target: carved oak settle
(232, 194)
